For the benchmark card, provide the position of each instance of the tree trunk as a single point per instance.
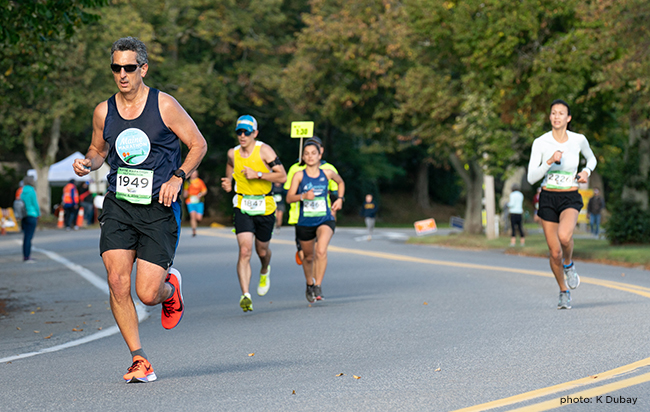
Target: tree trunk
(638, 145)
(473, 178)
(42, 162)
(422, 185)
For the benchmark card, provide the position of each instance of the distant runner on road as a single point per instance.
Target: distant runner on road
(255, 167)
(555, 157)
(137, 131)
(316, 224)
(295, 207)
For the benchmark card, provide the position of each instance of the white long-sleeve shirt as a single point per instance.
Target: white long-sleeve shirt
(560, 176)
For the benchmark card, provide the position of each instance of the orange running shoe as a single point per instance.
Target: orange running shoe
(173, 308)
(140, 371)
(298, 260)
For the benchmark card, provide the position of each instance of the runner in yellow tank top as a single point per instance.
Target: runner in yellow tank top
(255, 167)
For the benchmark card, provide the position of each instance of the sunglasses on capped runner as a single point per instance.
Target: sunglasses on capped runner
(245, 132)
(129, 68)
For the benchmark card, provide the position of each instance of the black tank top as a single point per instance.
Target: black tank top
(141, 143)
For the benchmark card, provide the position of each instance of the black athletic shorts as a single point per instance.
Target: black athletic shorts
(260, 225)
(552, 204)
(151, 230)
(306, 233)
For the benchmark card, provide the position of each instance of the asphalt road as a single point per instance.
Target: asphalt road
(402, 328)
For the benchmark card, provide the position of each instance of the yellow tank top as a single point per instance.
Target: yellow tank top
(253, 187)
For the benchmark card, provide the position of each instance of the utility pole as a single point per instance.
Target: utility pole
(490, 209)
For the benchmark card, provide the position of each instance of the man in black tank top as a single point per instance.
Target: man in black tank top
(137, 131)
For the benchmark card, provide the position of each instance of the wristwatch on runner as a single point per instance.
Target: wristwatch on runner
(259, 175)
(180, 173)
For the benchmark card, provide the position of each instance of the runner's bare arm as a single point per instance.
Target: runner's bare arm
(292, 195)
(226, 182)
(332, 175)
(97, 151)
(179, 122)
(277, 173)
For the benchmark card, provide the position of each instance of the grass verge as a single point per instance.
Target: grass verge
(592, 250)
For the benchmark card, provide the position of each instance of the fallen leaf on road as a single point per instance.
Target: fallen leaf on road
(340, 374)
(294, 392)
(17, 328)
(32, 312)
(90, 306)
(48, 336)
(76, 330)
(437, 370)
(356, 377)
(99, 328)
(425, 303)
(36, 331)
(251, 354)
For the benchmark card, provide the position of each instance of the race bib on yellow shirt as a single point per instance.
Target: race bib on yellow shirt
(253, 205)
(134, 185)
(560, 180)
(314, 208)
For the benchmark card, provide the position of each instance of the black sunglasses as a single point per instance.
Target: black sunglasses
(246, 133)
(129, 68)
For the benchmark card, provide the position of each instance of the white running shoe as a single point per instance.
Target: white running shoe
(265, 282)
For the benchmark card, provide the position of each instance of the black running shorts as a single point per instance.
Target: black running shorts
(552, 204)
(151, 230)
(307, 233)
(261, 226)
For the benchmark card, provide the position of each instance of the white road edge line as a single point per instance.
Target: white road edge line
(95, 281)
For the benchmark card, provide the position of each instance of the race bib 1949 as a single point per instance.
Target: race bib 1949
(314, 208)
(134, 185)
(559, 180)
(253, 205)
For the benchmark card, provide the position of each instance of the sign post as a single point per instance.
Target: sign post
(300, 130)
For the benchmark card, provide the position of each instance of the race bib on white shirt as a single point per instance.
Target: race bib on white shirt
(253, 205)
(559, 180)
(314, 208)
(134, 185)
(194, 199)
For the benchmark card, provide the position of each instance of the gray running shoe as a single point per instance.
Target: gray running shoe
(318, 293)
(571, 277)
(565, 300)
(309, 293)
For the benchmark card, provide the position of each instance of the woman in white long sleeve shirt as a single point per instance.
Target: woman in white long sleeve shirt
(555, 157)
(516, 209)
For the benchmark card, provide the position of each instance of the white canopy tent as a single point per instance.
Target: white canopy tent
(62, 172)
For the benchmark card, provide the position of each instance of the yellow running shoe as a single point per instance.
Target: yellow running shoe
(245, 302)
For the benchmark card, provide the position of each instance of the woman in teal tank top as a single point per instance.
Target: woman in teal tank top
(316, 223)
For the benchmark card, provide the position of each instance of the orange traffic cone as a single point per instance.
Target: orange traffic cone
(80, 217)
(59, 222)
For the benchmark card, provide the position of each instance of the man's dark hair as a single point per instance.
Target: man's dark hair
(562, 102)
(131, 44)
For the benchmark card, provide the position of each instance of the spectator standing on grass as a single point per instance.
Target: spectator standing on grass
(30, 220)
(516, 209)
(594, 209)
